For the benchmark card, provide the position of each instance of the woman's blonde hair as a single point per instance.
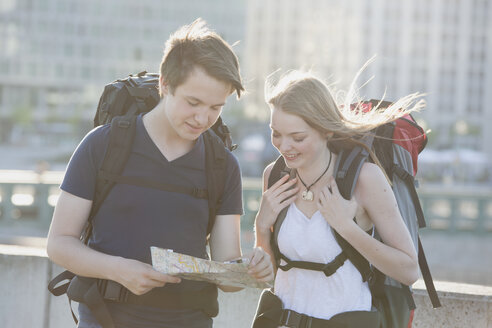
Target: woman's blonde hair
(305, 95)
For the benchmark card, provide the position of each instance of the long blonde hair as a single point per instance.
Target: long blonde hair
(305, 95)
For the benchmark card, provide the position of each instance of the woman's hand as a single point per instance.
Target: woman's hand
(260, 265)
(139, 277)
(273, 200)
(336, 210)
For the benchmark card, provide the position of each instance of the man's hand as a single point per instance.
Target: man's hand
(140, 278)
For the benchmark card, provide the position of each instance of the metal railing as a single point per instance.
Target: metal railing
(27, 199)
(446, 208)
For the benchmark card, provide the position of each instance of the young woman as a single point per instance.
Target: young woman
(307, 129)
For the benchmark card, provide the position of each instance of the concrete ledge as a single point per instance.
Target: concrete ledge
(463, 305)
(26, 302)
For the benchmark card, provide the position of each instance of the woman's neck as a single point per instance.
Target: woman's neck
(311, 172)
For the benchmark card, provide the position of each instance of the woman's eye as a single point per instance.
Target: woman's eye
(192, 104)
(298, 139)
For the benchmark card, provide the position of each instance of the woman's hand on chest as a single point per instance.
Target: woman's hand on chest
(336, 210)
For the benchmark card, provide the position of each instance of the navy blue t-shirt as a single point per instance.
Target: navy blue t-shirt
(133, 218)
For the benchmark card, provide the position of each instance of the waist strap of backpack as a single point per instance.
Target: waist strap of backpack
(279, 318)
(291, 318)
(94, 293)
(204, 299)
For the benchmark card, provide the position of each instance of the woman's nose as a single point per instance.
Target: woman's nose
(284, 145)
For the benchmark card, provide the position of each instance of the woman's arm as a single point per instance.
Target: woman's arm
(65, 248)
(273, 200)
(396, 257)
(225, 246)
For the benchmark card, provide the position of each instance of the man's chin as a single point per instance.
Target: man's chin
(190, 136)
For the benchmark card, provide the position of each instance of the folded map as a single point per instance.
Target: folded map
(194, 268)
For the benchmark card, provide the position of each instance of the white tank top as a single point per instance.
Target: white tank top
(311, 292)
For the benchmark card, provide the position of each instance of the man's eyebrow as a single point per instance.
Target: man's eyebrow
(201, 102)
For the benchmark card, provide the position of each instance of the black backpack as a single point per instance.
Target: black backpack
(120, 104)
(397, 146)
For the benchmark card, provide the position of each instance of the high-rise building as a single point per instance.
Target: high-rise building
(56, 55)
(439, 47)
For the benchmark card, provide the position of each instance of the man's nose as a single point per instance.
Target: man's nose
(201, 116)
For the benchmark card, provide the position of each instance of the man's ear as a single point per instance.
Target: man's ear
(163, 88)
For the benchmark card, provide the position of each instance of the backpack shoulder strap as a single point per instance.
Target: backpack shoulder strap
(278, 169)
(223, 132)
(121, 136)
(216, 139)
(120, 144)
(215, 171)
(346, 171)
(348, 165)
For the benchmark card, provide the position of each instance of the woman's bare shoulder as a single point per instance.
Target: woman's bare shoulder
(371, 179)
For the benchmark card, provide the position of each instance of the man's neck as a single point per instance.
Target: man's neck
(164, 136)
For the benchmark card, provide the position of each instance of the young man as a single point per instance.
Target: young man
(199, 71)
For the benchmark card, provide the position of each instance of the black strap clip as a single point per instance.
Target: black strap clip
(332, 267)
(124, 124)
(329, 269)
(402, 173)
(293, 319)
(112, 291)
(290, 318)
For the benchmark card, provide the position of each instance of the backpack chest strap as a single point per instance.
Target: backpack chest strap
(328, 269)
(146, 183)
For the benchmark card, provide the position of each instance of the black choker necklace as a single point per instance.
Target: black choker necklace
(308, 194)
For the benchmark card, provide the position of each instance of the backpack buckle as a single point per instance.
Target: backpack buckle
(113, 291)
(290, 319)
(402, 173)
(124, 124)
(371, 279)
(329, 269)
(332, 267)
(341, 174)
(306, 321)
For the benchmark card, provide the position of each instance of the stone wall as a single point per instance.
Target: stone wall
(25, 301)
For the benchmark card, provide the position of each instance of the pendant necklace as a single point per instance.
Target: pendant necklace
(308, 194)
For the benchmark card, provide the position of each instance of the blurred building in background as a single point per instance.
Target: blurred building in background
(440, 47)
(57, 55)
